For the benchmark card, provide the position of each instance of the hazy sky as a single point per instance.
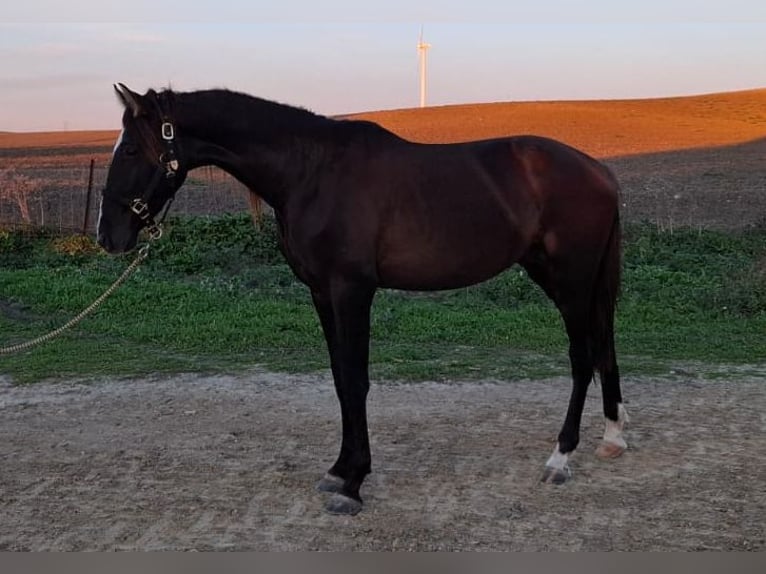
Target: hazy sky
(57, 70)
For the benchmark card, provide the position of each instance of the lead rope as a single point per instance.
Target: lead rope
(140, 208)
(142, 254)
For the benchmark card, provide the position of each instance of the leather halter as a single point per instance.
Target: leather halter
(168, 167)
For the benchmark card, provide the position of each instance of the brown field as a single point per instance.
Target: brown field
(68, 139)
(604, 129)
(689, 161)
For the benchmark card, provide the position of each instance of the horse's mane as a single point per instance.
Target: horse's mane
(251, 111)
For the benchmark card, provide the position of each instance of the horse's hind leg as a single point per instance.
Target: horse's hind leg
(573, 303)
(586, 351)
(591, 346)
(557, 467)
(615, 415)
(602, 335)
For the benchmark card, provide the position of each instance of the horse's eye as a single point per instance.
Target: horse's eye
(130, 150)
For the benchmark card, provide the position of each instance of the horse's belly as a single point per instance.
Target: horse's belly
(449, 264)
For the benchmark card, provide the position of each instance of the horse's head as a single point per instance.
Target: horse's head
(145, 171)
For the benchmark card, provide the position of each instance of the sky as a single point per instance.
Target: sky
(59, 60)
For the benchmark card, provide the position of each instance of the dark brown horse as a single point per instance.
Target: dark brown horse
(359, 208)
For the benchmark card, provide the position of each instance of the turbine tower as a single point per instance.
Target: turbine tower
(423, 57)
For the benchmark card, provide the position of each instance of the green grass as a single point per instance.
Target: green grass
(215, 295)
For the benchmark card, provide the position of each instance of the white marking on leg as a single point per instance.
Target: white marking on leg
(613, 429)
(558, 460)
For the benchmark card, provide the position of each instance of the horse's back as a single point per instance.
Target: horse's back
(457, 214)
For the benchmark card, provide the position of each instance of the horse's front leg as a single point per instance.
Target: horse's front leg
(345, 316)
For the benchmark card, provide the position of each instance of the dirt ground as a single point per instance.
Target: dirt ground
(229, 463)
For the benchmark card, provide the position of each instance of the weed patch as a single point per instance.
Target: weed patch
(215, 295)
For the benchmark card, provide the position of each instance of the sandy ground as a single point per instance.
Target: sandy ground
(229, 463)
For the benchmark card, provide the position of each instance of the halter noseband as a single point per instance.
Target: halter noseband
(167, 168)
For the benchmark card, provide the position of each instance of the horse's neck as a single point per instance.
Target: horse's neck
(262, 145)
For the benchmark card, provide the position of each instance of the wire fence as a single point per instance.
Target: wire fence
(66, 199)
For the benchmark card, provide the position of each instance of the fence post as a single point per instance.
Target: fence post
(87, 198)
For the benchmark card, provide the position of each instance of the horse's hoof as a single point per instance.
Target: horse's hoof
(556, 475)
(607, 450)
(330, 483)
(343, 505)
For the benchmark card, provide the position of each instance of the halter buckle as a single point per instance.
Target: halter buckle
(154, 230)
(168, 132)
(140, 208)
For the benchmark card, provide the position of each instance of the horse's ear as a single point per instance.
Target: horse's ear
(130, 100)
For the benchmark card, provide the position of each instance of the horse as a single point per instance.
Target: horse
(359, 208)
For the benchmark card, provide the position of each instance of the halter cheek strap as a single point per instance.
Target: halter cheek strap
(168, 168)
(168, 158)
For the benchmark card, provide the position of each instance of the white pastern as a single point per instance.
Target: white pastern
(558, 460)
(613, 430)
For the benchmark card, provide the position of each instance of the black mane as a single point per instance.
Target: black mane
(259, 115)
(251, 113)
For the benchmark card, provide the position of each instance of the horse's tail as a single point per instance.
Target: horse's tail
(604, 301)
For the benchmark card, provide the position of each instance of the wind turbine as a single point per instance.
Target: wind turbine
(423, 57)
